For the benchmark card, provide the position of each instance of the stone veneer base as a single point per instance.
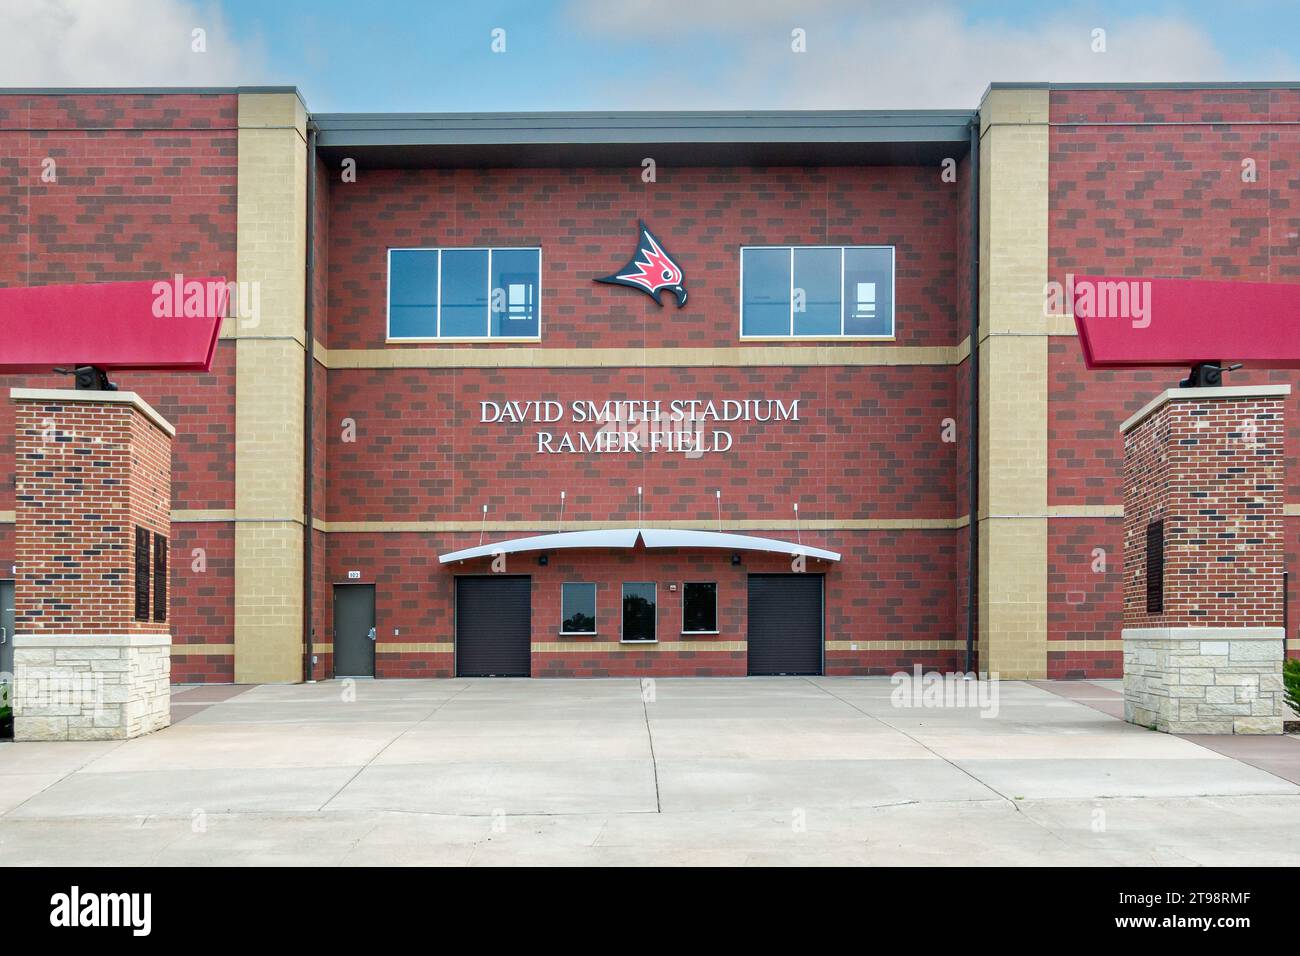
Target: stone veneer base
(91, 687)
(1204, 680)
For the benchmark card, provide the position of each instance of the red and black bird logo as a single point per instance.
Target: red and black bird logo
(652, 270)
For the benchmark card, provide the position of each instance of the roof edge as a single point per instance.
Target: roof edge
(1149, 85)
(145, 90)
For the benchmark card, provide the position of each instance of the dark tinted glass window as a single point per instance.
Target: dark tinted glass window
(699, 606)
(638, 612)
(578, 609)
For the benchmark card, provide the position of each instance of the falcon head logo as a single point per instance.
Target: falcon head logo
(651, 270)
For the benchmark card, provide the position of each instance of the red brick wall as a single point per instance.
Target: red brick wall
(88, 475)
(869, 443)
(322, 591)
(1084, 594)
(146, 187)
(203, 599)
(585, 221)
(1211, 470)
(1148, 183)
(891, 586)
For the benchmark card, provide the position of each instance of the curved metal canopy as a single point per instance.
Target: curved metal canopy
(627, 538)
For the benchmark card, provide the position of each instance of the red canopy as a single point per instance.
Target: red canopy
(169, 324)
(1127, 322)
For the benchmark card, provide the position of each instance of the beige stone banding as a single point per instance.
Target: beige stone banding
(1203, 634)
(757, 524)
(736, 356)
(1201, 394)
(1086, 644)
(940, 644)
(200, 650)
(411, 647)
(68, 395)
(189, 515)
(633, 647)
(218, 515)
(200, 516)
(1085, 511)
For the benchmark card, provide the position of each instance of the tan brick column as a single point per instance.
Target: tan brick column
(1013, 383)
(92, 648)
(271, 258)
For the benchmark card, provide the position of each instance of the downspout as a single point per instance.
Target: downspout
(973, 494)
(309, 393)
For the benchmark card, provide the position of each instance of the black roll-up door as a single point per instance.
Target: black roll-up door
(785, 624)
(494, 626)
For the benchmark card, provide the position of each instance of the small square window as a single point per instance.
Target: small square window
(700, 607)
(578, 608)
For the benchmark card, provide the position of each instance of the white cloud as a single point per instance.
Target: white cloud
(872, 55)
(120, 43)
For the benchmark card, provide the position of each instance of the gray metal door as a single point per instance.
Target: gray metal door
(785, 624)
(354, 630)
(494, 626)
(6, 627)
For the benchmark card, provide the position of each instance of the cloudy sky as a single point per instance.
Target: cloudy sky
(437, 55)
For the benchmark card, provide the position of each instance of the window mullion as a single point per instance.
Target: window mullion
(842, 302)
(489, 293)
(792, 292)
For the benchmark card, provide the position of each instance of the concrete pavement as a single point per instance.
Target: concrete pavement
(679, 771)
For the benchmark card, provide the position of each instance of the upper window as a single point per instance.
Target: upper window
(817, 291)
(464, 293)
(578, 608)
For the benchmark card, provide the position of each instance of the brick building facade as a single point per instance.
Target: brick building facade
(325, 459)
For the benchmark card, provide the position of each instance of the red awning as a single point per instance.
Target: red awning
(170, 324)
(1129, 322)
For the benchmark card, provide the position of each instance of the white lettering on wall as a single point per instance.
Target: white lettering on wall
(638, 426)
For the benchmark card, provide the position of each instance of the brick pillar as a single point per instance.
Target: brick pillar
(1204, 473)
(92, 657)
